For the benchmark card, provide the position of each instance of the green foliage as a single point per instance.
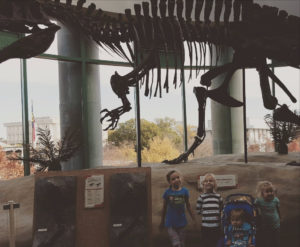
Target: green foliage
(48, 154)
(282, 133)
(159, 149)
(160, 140)
(168, 128)
(126, 132)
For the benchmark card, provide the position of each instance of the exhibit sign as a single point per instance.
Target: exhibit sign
(94, 191)
(223, 181)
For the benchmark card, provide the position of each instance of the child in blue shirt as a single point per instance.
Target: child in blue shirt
(239, 232)
(268, 206)
(173, 216)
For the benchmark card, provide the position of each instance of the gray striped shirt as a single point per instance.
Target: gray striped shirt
(210, 206)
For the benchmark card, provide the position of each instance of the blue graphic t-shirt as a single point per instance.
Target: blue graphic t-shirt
(239, 236)
(175, 216)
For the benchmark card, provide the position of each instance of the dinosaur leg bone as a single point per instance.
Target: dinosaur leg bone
(213, 73)
(201, 95)
(120, 86)
(269, 100)
(280, 84)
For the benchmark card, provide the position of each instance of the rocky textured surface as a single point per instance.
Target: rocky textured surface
(269, 166)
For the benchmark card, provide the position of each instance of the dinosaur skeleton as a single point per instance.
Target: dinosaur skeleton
(255, 34)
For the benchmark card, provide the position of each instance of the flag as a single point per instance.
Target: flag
(33, 125)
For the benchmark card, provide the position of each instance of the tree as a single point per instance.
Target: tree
(10, 168)
(49, 155)
(282, 133)
(159, 149)
(169, 128)
(126, 132)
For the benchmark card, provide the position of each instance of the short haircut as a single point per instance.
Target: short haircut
(214, 178)
(168, 176)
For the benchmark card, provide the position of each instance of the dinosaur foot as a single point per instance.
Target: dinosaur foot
(180, 159)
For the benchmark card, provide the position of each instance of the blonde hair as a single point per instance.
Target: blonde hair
(214, 179)
(261, 186)
(237, 213)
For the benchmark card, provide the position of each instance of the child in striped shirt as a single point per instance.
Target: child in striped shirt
(209, 205)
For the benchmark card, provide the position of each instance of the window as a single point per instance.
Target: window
(115, 154)
(43, 93)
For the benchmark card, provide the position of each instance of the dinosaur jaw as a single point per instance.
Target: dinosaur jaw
(31, 45)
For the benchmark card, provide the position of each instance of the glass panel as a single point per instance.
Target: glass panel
(206, 148)
(164, 116)
(53, 47)
(290, 77)
(11, 118)
(205, 60)
(115, 153)
(258, 135)
(43, 96)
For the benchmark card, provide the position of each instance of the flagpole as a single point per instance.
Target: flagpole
(32, 125)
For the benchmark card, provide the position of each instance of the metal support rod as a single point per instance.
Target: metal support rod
(245, 118)
(273, 83)
(138, 125)
(273, 94)
(185, 136)
(25, 125)
(84, 104)
(137, 116)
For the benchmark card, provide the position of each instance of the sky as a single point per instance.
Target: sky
(43, 86)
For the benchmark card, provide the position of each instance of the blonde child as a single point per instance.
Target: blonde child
(209, 205)
(268, 206)
(173, 216)
(239, 232)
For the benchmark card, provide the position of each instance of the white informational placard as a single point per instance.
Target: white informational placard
(94, 191)
(223, 181)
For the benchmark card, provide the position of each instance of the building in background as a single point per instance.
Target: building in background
(14, 134)
(258, 135)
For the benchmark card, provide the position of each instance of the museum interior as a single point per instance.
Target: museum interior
(100, 100)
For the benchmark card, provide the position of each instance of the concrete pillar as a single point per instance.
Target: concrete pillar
(237, 123)
(79, 103)
(227, 123)
(93, 108)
